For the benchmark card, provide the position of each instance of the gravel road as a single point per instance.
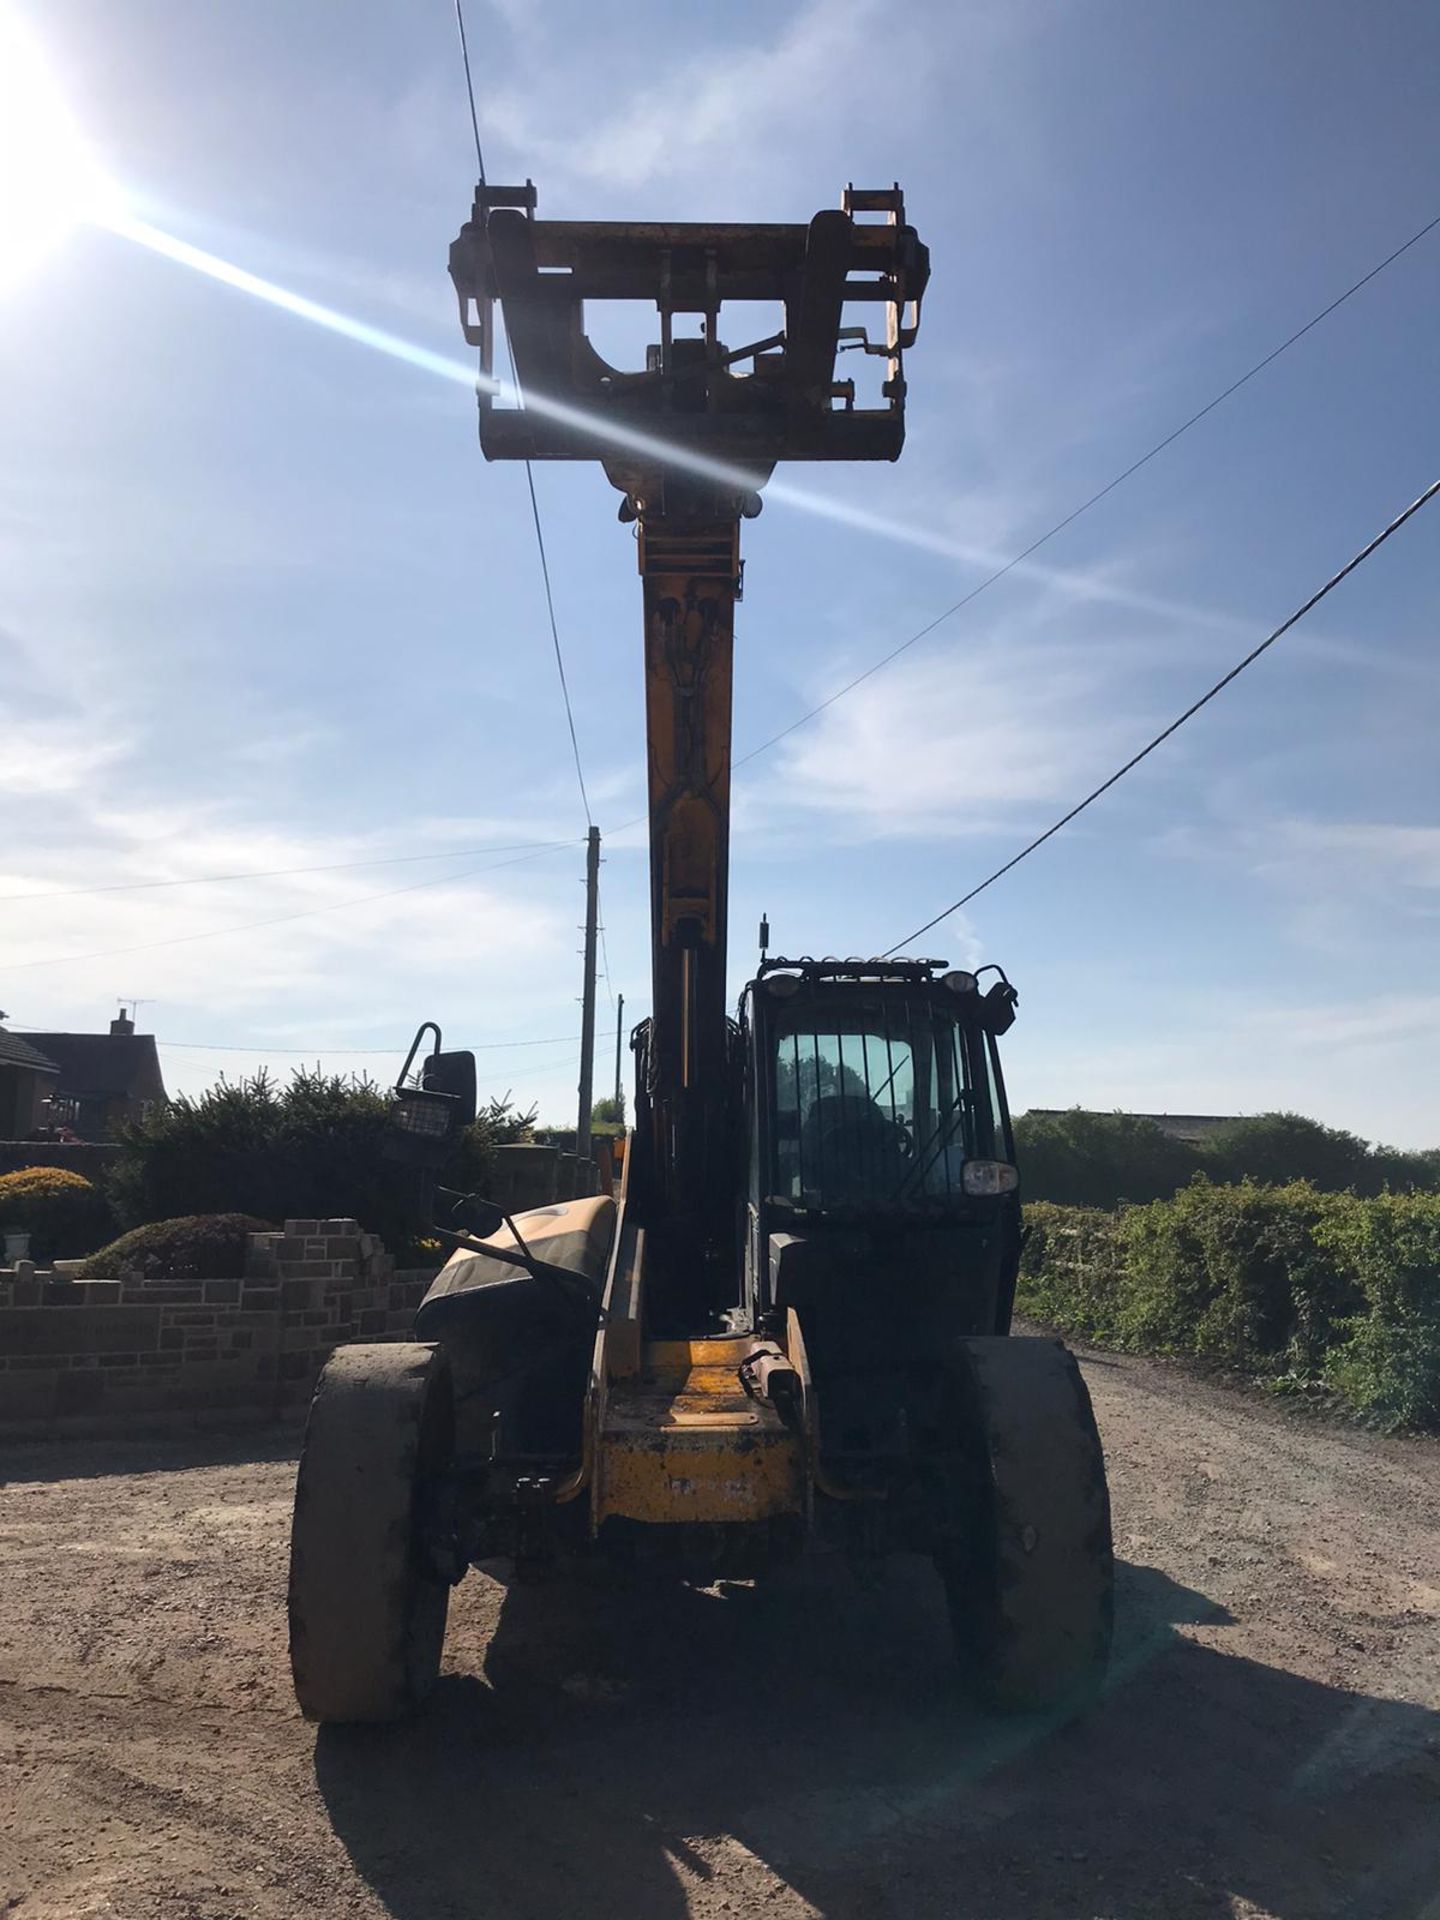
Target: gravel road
(1269, 1745)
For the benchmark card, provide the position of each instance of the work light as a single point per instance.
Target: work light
(420, 1124)
(984, 1179)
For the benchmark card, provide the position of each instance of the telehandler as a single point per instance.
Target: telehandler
(794, 1323)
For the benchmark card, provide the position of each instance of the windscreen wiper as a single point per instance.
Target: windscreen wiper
(921, 1166)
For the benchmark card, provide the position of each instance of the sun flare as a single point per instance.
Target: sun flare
(50, 181)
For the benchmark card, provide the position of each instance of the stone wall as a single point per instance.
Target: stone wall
(536, 1174)
(111, 1349)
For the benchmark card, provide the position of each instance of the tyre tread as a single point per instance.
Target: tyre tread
(1034, 1622)
(366, 1620)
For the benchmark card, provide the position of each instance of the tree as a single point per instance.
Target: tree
(311, 1149)
(1276, 1148)
(1098, 1159)
(799, 1084)
(1394, 1170)
(609, 1111)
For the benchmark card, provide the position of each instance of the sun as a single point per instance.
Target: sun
(50, 181)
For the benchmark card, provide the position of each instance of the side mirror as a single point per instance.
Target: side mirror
(452, 1074)
(997, 1008)
(424, 1120)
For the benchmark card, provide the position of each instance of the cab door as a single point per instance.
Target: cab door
(753, 1149)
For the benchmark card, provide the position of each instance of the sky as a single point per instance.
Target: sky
(263, 605)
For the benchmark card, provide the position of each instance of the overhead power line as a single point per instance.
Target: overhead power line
(529, 471)
(604, 949)
(469, 85)
(1094, 499)
(554, 628)
(506, 1073)
(226, 1046)
(276, 920)
(283, 873)
(1075, 513)
(229, 1046)
(1175, 725)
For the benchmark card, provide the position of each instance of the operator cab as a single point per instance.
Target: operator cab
(879, 1150)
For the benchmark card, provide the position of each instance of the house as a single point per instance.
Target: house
(28, 1078)
(104, 1078)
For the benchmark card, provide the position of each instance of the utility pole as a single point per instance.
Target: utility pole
(587, 1004)
(619, 1030)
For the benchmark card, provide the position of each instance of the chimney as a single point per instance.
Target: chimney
(122, 1024)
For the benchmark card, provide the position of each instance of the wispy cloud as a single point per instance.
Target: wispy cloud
(46, 757)
(1367, 854)
(713, 119)
(299, 955)
(274, 745)
(954, 746)
(1388, 1020)
(681, 117)
(1362, 1062)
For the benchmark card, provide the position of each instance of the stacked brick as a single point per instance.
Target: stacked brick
(136, 1346)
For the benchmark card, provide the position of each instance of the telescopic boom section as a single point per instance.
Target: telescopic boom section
(690, 440)
(689, 570)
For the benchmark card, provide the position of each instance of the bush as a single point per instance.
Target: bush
(1234, 1274)
(198, 1246)
(1388, 1364)
(310, 1149)
(65, 1214)
(1068, 1270)
(1285, 1283)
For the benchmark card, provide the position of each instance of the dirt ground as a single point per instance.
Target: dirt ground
(1269, 1745)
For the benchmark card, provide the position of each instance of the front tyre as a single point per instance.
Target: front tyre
(1030, 1583)
(367, 1612)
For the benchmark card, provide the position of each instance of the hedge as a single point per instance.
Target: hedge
(1284, 1283)
(1388, 1366)
(312, 1148)
(65, 1215)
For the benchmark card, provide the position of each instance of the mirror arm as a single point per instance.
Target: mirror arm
(520, 1242)
(457, 1237)
(427, 1026)
(427, 1199)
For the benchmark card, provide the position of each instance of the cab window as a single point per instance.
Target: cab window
(875, 1100)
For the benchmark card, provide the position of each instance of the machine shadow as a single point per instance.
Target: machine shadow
(163, 1449)
(811, 1732)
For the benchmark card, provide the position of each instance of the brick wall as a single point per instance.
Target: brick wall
(110, 1349)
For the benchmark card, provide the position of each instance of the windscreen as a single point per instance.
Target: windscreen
(876, 1098)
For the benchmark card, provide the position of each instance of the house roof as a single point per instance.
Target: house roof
(15, 1052)
(105, 1065)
